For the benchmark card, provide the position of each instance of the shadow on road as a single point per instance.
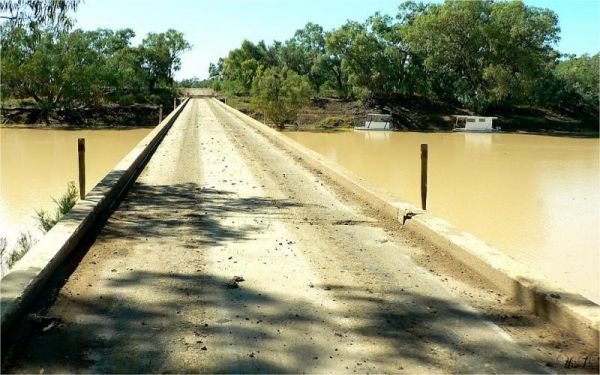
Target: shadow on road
(115, 332)
(163, 211)
(116, 335)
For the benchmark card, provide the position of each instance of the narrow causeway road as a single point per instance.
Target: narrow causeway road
(228, 255)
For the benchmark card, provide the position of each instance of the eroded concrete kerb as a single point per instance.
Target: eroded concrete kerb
(568, 310)
(26, 279)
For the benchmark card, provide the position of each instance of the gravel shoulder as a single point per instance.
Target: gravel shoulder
(227, 255)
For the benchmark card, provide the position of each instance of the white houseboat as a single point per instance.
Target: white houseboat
(376, 121)
(474, 124)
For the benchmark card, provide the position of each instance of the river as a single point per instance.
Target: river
(537, 198)
(37, 164)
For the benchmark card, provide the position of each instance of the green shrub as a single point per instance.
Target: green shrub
(46, 221)
(24, 243)
(128, 99)
(64, 204)
(2, 245)
(331, 122)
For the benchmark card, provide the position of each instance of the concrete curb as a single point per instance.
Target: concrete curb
(27, 278)
(568, 310)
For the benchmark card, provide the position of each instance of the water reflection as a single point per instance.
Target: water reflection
(478, 140)
(374, 136)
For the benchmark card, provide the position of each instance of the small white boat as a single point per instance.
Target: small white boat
(376, 121)
(476, 124)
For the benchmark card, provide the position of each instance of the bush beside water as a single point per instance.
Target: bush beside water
(46, 220)
(334, 122)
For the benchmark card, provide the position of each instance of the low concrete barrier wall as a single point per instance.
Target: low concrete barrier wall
(568, 310)
(26, 279)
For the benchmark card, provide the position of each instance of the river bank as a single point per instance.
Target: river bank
(424, 115)
(106, 117)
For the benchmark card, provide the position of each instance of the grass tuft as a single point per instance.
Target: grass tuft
(63, 205)
(24, 243)
(3, 245)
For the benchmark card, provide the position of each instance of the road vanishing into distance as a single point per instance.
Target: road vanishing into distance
(229, 255)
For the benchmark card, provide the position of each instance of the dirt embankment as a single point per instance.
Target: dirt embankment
(421, 114)
(106, 116)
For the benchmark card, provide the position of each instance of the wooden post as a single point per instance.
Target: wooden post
(174, 103)
(160, 114)
(424, 157)
(81, 153)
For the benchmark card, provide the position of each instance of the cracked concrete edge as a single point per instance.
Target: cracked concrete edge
(26, 279)
(570, 311)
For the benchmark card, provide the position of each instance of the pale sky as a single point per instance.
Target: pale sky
(215, 27)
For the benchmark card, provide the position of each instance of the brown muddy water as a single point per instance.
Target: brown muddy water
(37, 164)
(537, 198)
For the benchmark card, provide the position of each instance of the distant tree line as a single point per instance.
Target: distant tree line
(58, 68)
(194, 82)
(478, 54)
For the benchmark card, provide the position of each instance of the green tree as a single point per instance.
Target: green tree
(301, 52)
(215, 71)
(122, 71)
(60, 69)
(280, 93)
(375, 57)
(328, 70)
(162, 56)
(56, 69)
(307, 54)
(64, 70)
(242, 65)
(580, 76)
(490, 52)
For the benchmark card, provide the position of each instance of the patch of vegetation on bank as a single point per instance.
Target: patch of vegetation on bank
(337, 122)
(324, 113)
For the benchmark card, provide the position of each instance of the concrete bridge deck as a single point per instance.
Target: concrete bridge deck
(228, 255)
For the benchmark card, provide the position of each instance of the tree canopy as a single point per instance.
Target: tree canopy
(162, 55)
(62, 69)
(478, 54)
(489, 51)
(280, 93)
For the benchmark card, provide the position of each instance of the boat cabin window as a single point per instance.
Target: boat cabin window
(470, 120)
(481, 120)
